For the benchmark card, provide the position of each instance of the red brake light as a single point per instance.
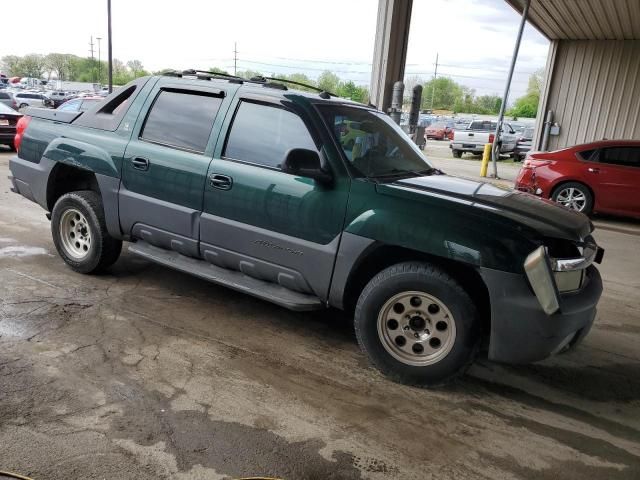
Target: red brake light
(21, 126)
(492, 137)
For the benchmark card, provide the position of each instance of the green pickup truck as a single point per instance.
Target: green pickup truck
(255, 186)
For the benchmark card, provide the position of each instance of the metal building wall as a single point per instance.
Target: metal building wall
(594, 91)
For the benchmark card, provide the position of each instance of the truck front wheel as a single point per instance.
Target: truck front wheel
(417, 324)
(457, 153)
(80, 233)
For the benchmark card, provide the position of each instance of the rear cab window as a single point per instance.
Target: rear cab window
(181, 119)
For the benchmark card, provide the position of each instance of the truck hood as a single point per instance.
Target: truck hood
(544, 216)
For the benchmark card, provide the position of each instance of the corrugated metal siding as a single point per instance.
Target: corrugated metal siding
(595, 91)
(584, 19)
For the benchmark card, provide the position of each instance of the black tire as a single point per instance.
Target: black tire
(433, 281)
(579, 187)
(104, 249)
(457, 153)
(23, 105)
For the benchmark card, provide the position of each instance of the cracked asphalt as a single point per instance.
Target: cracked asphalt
(145, 373)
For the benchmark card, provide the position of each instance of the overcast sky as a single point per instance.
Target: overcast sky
(474, 38)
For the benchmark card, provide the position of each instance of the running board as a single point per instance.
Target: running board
(268, 291)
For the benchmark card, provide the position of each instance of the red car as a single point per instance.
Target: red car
(602, 177)
(438, 131)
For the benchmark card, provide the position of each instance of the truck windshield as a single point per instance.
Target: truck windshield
(373, 144)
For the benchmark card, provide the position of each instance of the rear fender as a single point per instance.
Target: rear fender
(81, 155)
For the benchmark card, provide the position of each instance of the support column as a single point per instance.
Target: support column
(390, 49)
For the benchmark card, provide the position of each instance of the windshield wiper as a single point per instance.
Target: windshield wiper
(397, 172)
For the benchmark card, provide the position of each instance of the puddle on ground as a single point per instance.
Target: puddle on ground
(18, 251)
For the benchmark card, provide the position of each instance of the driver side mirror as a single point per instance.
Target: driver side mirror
(305, 163)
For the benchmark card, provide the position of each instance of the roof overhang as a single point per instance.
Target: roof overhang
(584, 19)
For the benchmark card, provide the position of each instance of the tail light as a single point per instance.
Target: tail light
(492, 137)
(21, 126)
(533, 163)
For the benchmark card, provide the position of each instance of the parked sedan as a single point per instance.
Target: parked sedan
(438, 131)
(8, 120)
(600, 177)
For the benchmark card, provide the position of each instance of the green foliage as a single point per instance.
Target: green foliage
(353, 91)
(32, 65)
(329, 82)
(527, 105)
(450, 95)
(218, 70)
(64, 66)
(444, 92)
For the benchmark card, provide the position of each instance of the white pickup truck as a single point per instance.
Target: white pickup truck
(477, 134)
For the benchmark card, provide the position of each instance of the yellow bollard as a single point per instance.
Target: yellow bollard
(486, 155)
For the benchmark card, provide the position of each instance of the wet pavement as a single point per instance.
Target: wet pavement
(145, 373)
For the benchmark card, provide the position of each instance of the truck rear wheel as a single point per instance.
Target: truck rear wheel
(457, 153)
(80, 233)
(417, 325)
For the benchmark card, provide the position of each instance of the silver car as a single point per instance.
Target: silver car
(32, 99)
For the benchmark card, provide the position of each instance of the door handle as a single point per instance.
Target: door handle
(223, 182)
(593, 170)
(140, 163)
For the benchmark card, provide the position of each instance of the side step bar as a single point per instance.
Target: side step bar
(230, 278)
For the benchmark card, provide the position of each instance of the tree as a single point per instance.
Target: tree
(10, 65)
(33, 65)
(353, 91)
(218, 70)
(59, 64)
(444, 92)
(527, 105)
(136, 68)
(329, 82)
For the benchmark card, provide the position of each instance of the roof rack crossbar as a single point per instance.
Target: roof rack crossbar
(300, 84)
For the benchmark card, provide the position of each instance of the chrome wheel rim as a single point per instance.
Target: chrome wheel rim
(572, 198)
(416, 328)
(75, 234)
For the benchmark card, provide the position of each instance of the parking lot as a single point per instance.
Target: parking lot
(147, 373)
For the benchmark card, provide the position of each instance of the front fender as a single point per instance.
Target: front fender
(446, 233)
(79, 154)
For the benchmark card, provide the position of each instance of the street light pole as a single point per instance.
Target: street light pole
(109, 46)
(99, 63)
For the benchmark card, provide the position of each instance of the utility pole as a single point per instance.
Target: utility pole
(99, 62)
(93, 60)
(109, 46)
(235, 58)
(433, 86)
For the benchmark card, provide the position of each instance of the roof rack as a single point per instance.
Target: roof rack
(311, 87)
(206, 75)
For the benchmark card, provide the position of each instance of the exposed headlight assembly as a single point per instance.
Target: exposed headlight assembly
(538, 269)
(551, 276)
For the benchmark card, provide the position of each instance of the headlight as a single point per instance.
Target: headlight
(538, 269)
(551, 276)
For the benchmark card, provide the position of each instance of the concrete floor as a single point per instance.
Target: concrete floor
(145, 373)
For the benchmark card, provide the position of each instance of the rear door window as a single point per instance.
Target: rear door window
(263, 134)
(625, 156)
(181, 119)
